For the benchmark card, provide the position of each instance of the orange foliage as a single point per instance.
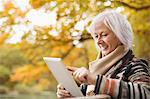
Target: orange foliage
(3, 37)
(59, 51)
(38, 3)
(43, 84)
(74, 55)
(27, 73)
(8, 5)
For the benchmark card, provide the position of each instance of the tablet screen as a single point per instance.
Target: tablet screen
(62, 75)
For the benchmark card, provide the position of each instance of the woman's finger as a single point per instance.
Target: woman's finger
(75, 75)
(63, 93)
(80, 75)
(59, 86)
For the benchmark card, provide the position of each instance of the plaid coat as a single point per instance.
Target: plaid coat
(129, 78)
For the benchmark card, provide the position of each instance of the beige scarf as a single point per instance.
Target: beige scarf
(102, 65)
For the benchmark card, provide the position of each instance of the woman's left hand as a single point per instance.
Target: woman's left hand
(82, 75)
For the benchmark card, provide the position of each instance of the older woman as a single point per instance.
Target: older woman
(119, 73)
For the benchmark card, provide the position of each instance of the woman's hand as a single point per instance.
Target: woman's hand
(62, 92)
(84, 76)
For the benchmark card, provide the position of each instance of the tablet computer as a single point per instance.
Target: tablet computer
(62, 75)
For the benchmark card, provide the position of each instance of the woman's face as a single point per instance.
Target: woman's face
(105, 39)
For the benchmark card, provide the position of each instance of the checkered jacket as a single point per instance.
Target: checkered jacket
(129, 78)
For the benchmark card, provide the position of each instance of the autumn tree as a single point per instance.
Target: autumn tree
(66, 36)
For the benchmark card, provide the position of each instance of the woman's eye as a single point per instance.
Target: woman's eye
(104, 34)
(96, 36)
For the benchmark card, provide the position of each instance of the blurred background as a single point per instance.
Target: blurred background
(32, 29)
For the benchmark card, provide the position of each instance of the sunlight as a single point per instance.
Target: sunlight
(53, 32)
(79, 25)
(17, 33)
(107, 3)
(1, 5)
(41, 18)
(119, 9)
(22, 4)
(35, 18)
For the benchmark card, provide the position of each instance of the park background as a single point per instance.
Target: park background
(32, 29)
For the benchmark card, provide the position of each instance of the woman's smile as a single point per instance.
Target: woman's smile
(103, 46)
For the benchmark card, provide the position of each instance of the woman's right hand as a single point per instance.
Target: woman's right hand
(83, 75)
(62, 92)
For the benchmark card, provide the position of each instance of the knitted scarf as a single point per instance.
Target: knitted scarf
(102, 65)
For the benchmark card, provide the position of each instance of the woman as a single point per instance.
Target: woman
(119, 73)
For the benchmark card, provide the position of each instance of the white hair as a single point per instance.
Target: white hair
(118, 24)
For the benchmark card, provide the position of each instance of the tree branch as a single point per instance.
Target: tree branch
(66, 54)
(86, 56)
(83, 38)
(133, 7)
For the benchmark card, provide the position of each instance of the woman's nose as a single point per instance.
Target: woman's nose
(99, 41)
